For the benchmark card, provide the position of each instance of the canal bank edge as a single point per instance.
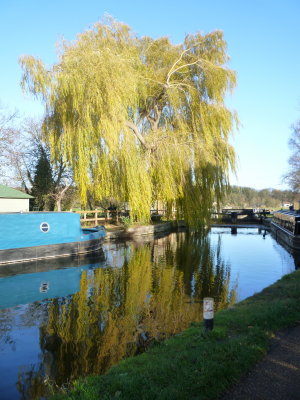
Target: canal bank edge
(145, 230)
(201, 365)
(165, 228)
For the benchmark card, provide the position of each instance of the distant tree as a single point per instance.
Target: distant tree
(46, 179)
(70, 199)
(140, 119)
(8, 133)
(245, 197)
(292, 177)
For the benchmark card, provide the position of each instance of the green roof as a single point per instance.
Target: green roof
(9, 193)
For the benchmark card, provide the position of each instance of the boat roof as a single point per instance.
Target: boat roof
(10, 193)
(288, 215)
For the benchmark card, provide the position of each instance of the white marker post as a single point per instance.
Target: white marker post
(208, 313)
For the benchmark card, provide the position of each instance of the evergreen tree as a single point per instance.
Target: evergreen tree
(43, 183)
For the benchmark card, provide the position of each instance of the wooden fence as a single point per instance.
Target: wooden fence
(104, 217)
(98, 217)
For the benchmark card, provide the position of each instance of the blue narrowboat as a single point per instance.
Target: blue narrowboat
(40, 235)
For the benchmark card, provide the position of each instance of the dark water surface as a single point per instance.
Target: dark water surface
(65, 319)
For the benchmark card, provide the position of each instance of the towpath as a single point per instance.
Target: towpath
(277, 375)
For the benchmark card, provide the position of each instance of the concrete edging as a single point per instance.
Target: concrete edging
(145, 230)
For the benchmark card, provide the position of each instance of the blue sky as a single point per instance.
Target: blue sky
(263, 39)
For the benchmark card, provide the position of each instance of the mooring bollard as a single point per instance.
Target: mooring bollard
(208, 313)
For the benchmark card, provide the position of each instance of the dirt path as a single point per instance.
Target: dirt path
(276, 376)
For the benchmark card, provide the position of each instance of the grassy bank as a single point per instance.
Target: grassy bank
(196, 365)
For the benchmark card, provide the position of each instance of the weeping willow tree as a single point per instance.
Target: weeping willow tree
(140, 119)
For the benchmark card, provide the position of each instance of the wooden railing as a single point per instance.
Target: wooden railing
(100, 217)
(91, 217)
(103, 217)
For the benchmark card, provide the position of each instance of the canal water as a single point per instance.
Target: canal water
(68, 318)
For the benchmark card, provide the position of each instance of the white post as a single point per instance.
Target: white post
(208, 313)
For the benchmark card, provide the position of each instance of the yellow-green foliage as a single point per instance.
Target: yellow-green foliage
(140, 119)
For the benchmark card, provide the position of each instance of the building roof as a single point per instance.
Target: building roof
(9, 193)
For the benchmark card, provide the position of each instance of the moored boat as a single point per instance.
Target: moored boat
(38, 235)
(286, 226)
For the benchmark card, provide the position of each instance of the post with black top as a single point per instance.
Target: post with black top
(208, 313)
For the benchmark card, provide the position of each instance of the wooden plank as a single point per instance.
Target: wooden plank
(92, 219)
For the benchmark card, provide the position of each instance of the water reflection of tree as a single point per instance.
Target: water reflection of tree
(204, 271)
(31, 384)
(118, 312)
(6, 323)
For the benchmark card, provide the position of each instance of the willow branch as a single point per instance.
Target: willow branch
(154, 121)
(173, 69)
(182, 66)
(137, 133)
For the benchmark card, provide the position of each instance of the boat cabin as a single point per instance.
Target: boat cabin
(37, 235)
(288, 219)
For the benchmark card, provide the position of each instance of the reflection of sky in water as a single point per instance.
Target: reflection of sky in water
(115, 254)
(19, 347)
(141, 290)
(256, 261)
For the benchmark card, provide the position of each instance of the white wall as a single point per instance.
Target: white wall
(14, 205)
